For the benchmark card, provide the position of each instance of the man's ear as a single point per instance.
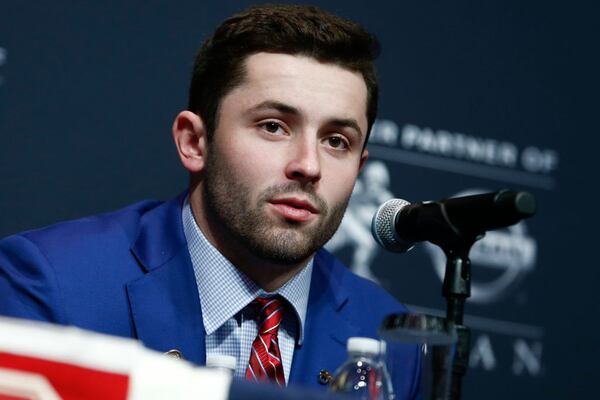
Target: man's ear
(363, 159)
(189, 134)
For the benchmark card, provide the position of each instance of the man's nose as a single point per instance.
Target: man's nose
(304, 164)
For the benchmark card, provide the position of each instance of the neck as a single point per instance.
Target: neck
(269, 278)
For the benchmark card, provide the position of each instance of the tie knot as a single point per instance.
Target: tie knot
(270, 313)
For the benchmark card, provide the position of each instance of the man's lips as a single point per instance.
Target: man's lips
(296, 203)
(294, 208)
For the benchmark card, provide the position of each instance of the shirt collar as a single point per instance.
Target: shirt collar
(216, 276)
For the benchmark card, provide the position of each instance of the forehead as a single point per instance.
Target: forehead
(321, 90)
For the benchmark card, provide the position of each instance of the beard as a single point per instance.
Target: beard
(228, 201)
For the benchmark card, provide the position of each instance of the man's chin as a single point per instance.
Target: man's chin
(286, 246)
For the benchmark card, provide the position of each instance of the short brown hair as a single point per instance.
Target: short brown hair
(288, 29)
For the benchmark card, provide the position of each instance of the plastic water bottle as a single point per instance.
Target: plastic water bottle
(363, 376)
(386, 379)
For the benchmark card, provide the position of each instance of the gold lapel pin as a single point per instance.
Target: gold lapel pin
(325, 377)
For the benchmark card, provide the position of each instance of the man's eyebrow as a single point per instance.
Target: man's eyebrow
(275, 105)
(347, 123)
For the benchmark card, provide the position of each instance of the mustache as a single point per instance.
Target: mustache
(292, 188)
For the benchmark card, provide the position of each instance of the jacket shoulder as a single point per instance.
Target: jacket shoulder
(126, 220)
(52, 272)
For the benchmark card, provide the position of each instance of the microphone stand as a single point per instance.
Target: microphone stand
(475, 215)
(456, 289)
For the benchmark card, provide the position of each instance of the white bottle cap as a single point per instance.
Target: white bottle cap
(363, 345)
(221, 361)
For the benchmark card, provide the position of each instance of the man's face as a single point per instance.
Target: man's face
(285, 154)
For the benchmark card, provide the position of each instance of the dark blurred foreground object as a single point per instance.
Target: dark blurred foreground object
(436, 338)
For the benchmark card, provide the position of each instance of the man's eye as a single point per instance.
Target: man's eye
(337, 142)
(271, 127)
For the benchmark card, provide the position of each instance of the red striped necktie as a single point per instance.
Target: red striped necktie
(265, 357)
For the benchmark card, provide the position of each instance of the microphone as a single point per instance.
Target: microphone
(398, 225)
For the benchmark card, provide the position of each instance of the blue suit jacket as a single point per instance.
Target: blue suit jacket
(129, 273)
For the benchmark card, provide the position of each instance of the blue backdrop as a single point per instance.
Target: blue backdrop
(477, 96)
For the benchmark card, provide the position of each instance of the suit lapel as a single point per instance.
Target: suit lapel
(164, 302)
(326, 329)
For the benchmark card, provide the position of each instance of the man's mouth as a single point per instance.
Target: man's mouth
(294, 208)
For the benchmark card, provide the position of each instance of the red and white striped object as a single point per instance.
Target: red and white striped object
(49, 362)
(265, 358)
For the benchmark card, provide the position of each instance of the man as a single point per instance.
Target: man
(281, 102)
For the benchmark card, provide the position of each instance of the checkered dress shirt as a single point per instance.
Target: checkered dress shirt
(225, 293)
